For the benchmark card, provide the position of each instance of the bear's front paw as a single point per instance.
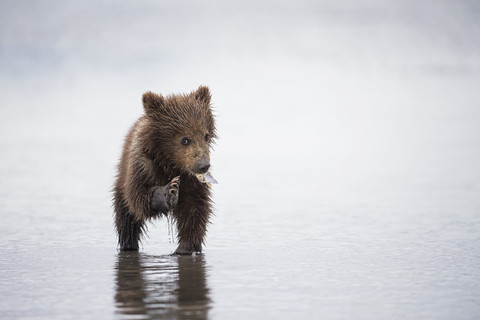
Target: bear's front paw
(172, 192)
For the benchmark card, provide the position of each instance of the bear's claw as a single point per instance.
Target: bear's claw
(172, 192)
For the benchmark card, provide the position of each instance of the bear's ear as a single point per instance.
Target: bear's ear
(203, 94)
(152, 101)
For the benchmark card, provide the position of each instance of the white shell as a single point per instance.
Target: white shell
(210, 179)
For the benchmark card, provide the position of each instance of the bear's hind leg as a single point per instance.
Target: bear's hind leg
(129, 230)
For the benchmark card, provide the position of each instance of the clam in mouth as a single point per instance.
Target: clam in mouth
(206, 178)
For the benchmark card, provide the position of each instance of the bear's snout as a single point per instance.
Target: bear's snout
(203, 166)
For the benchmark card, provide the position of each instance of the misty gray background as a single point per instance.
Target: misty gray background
(347, 159)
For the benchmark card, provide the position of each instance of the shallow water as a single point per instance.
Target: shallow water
(349, 184)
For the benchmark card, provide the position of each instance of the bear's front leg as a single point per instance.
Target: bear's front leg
(165, 198)
(192, 214)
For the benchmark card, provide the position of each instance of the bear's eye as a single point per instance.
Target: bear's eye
(207, 137)
(185, 141)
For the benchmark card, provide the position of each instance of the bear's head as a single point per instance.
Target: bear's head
(179, 130)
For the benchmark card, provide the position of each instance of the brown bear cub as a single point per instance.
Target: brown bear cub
(163, 152)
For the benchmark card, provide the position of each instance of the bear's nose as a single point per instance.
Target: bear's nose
(203, 167)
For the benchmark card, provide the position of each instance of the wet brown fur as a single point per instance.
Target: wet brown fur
(153, 155)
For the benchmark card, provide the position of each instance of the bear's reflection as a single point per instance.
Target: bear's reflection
(161, 287)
